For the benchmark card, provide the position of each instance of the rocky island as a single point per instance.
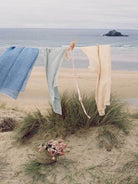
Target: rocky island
(114, 33)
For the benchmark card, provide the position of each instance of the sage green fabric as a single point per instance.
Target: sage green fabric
(54, 60)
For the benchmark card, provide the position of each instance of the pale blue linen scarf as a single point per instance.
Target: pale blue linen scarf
(54, 60)
(16, 64)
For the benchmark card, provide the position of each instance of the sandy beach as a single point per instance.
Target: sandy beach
(36, 95)
(83, 148)
(87, 143)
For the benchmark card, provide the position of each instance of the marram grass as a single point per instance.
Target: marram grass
(67, 171)
(73, 118)
(134, 115)
(47, 173)
(30, 125)
(7, 124)
(2, 105)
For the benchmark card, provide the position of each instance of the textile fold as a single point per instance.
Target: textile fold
(100, 61)
(15, 67)
(54, 60)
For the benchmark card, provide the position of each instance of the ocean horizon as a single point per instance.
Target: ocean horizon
(124, 50)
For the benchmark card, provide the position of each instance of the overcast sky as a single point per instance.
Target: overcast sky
(69, 13)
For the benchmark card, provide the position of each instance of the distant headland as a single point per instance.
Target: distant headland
(114, 33)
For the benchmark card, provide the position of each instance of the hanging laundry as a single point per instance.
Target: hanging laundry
(16, 64)
(72, 45)
(54, 60)
(92, 54)
(100, 61)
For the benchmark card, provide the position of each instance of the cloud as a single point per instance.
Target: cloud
(71, 13)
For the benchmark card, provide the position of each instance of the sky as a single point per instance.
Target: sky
(117, 14)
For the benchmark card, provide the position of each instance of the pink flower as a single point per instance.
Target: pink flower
(41, 148)
(50, 141)
(54, 147)
(52, 154)
(57, 144)
(57, 148)
(62, 153)
(60, 140)
(53, 158)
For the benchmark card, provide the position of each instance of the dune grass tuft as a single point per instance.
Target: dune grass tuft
(30, 126)
(134, 115)
(32, 167)
(47, 173)
(109, 137)
(67, 171)
(7, 124)
(73, 118)
(3, 166)
(2, 105)
(129, 171)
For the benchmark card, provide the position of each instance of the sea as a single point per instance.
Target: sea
(124, 50)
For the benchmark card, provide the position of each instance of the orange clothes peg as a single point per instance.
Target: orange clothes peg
(71, 47)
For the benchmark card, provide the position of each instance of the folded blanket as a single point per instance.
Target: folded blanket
(15, 68)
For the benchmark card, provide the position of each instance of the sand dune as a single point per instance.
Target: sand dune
(82, 147)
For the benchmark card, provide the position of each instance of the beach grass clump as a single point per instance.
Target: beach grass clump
(40, 172)
(48, 173)
(32, 167)
(2, 105)
(128, 171)
(109, 137)
(7, 124)
(134, 115)
(3, 166)
(67, 171)
(30, 125)
(123, 174)
(73, 117)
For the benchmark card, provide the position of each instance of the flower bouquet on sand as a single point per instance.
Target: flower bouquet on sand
(51, 151)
